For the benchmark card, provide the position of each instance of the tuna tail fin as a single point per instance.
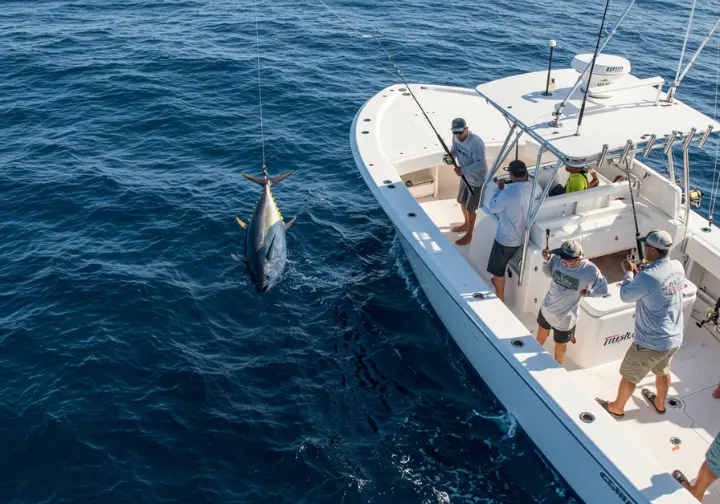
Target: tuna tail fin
(288, 224)
(266, 180)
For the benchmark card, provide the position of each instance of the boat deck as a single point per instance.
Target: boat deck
(695, 418)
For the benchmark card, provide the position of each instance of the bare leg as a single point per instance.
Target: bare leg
(560, 349)
(499, 283)
(625, 390)
(542, 334)
(663, 384)
(464, 225)
(704, 479)
(470, 221)
(716, 392)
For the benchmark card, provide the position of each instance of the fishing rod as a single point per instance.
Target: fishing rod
(448, 155)
(442, 142)
(627, 158)
(592, 68)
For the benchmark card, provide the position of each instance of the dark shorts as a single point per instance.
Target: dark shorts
(557, 190)
(471, 201)
(559, 336)
(500, 256)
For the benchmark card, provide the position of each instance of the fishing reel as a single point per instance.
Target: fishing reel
(712, 316)
(448, 159)
(695, 194)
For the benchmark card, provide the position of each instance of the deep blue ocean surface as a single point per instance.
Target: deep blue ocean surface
(137, 361)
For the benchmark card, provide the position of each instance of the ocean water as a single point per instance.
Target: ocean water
(137, 361)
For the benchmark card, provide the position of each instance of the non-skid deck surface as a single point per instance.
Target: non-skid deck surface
(695, 373)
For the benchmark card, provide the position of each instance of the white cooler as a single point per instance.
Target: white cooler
(606, 327)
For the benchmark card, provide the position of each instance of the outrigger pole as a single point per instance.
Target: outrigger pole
(555, 123)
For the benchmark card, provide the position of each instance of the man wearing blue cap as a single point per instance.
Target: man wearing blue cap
(572, 278)
(657, 291)
(469, 151)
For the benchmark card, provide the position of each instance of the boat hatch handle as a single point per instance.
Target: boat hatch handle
(502, 154)
(555, 123)
(532, 219)
(587, 417)
(686, 175)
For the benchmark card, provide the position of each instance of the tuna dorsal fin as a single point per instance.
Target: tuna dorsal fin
(288, 224)
(242, 224)
(264, 180)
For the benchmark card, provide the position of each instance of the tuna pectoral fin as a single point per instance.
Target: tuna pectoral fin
(242, 224)
(288, 224)
(269, 249)
(264, 180)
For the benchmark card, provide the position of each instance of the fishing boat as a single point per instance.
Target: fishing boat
(628, 121)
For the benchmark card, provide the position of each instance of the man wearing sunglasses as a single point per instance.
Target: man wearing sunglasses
(657, 291)
(469, 151)
(572, 278)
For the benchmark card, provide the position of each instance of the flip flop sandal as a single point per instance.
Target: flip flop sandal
(680, 477)
(604, 404)
(650, 397)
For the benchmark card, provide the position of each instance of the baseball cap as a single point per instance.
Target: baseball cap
(659, 239)
(458, 125)
(570, 249)
(517, 168)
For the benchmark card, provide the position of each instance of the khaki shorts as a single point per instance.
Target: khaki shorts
(639, 361)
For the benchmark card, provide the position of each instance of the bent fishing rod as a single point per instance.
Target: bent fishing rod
(442, 142)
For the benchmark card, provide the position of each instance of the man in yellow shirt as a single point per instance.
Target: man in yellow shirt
(577, 181)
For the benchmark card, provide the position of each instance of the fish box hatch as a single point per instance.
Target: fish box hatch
(606, 326)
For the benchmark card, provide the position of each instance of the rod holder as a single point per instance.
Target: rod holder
(547, 92)
(626, 151)
(603, 154)
(649, 145)
(670, 142)
(689, 139)
(705, 136)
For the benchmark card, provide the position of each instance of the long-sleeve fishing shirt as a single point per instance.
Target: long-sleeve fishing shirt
(471, 158)
(657, 289)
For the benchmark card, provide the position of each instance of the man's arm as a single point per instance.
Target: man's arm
(599, 287)
(633, 289)
(547, 266)
(497, 202)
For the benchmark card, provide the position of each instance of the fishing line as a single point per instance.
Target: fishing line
(262, 129)
(407, 86)
(592, 68)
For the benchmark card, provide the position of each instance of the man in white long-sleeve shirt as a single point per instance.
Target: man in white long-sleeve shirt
(510, 203)
(657, 289)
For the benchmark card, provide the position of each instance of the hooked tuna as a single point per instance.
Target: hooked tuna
(265, 242)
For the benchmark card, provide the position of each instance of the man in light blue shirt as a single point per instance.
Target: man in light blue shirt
(657, 291)
(510, 203)
(469, 151)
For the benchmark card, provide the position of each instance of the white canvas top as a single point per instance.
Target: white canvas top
(627, 115)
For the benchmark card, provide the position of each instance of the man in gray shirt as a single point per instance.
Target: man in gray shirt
(572, 278)
(469, 151)
(657, 289)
